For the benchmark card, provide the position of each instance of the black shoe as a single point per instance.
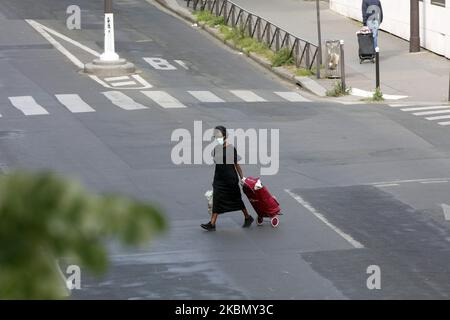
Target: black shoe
(208, 226)
(248, 222)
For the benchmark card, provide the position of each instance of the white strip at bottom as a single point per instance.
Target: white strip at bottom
(28, 105)
(123, 101)
(292, 96)
(247, 96)
(206, 96)
(164, 99)
(74, 103)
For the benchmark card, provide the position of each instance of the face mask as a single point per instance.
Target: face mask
(220, 141)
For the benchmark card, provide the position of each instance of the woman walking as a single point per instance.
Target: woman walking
(226, 191)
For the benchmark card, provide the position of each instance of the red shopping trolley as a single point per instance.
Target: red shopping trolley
(265, 205)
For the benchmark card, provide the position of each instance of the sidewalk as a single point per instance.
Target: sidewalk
(421, 77)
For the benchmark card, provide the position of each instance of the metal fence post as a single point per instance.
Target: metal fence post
(217, 7)
(225, 10)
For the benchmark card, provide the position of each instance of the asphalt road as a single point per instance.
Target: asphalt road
(360, 185)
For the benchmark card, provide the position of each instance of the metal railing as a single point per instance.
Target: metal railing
(303, 52)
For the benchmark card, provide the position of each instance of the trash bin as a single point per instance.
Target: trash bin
(333, 59)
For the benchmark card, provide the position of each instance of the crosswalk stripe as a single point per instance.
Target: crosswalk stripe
(28, 105)
(444, 123)
(431, 112)
(247, 96)
(74, 103)
(438, 117)
(123, 101)
(205, 96)
(164, 99)
(425, 108)
(292, 96)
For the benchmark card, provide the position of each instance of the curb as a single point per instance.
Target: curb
(308, 84)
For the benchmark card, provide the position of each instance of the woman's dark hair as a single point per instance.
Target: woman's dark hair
(223, 130)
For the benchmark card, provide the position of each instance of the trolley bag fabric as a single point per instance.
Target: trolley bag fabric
(264, 203)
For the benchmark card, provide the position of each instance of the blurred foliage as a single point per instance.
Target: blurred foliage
(44, 217)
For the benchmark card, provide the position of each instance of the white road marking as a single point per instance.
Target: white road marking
(145, 84)
(425, 108)
(247, 96)
(430, 182)
(159, 63)
(292, 96)
(123, 101)
(142, 81)
(444, 123)
(45, 32)
(71, 41)
(110, 79)
(182, 64)
(205, 96)
(409, 181)
(350, 102)
(74, 103)
(123, 83)
(446, 209)
(438, 117)
(425, 113)
(28, 105)
(367, 94)
(164, 99)
(39, 28)
(387, 185)
(401, 105)
(321, 217)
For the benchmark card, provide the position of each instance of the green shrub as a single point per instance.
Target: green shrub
(377, 95)
(338, 90)
(282, 57)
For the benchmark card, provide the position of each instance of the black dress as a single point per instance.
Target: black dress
(226, 190)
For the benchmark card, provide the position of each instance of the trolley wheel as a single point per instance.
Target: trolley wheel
(275, 222)
(259, 221)
(360, 61)
(373, 60)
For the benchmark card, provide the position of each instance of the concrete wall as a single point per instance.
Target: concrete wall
(434, 21)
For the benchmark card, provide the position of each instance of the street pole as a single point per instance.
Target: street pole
(342, 59)
(319, 36)
(109, 53)
(377, 67)
(414, 41)
(109, 64)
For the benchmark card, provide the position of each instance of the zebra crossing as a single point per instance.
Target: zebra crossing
(75, 103)
(434, 113)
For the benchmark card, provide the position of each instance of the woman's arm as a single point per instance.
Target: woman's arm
(239, 170)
